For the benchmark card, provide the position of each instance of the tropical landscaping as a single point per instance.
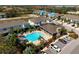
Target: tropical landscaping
(14, 42)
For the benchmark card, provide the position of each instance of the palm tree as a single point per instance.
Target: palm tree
(62, 31)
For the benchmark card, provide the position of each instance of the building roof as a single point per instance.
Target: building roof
(50, 28)
(38, 19)
(72, 17)
(73, 12)
(12, 22)
(1, 13)
(51, 14)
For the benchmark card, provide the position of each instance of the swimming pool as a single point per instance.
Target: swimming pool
(33, 36)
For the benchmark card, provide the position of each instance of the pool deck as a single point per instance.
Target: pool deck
(46, 36)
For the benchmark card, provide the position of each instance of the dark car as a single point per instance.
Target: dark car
(63, 41)
(4, 29)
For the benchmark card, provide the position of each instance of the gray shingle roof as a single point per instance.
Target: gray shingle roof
(50, 28)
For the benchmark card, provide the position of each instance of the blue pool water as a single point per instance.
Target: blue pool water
(33, 36)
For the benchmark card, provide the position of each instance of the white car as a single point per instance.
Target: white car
(43, 52)
(55, 47)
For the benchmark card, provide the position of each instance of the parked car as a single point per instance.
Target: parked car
(63, 41)
(55, 47)
(42, 52)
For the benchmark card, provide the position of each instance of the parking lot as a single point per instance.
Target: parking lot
(59, 44)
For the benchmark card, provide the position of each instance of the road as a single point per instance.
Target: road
(71, 47)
